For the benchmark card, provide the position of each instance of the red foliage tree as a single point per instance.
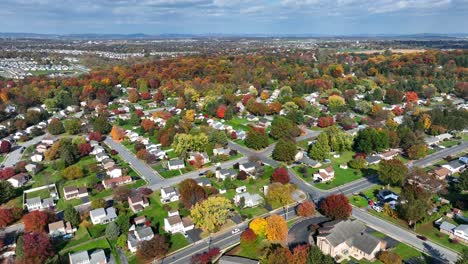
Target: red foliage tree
(139, 113)
(35, 221)
(248, 236)
(7, 173)
(233, 135)
(205, 257)
(145, 95)
(246, 99)
(398, 111)
(221, 111)
(306, 208)
(191, 193)
(84, 149)
(147, 125)
(300, 254)
(5, 146)
(336, 206)
(280, 175)
(325, 121)
(411, 97)
(158, 96)
(97, 136)
(6, 217)
(37, 248)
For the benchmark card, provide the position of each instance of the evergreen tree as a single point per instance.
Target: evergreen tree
(321, 149)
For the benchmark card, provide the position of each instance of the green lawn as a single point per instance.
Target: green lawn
(81, 236)
(432, 233)
(360, 202)
(449, 143)
(238, 123)
(170, 173)
(96, 231)
(100, 243)
(178, 241)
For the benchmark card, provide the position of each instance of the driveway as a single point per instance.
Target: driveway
(299, 233)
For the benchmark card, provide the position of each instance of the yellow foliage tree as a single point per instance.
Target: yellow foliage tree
(276, 228)
(212, 213)
(426, 119)
(258, 225)
(265, 95)
(336, 101)
(190, 115)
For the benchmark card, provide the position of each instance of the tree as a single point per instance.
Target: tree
(72, 126)
(242, 175)
(335, 102)
(191, 193)
(101, 125)
(278, 255)
(417, 151)
(211, 213)
(55, 127)
(281, 127)
(416, 205)
(279, 194)
(221, 111)
(98, 203)
(258, 226)
(8, 191)
(117, 133)
(218, 138)
(35, 221)
(358, 163)
(6, 217)
(336, 206)
(122, 241)
(306, 209)
(7, 173)
(37, 248)
(133, 96)
(463, 259)
(316, 256)
(392, 172)
(5, 146)
(338, 139)
(112, 231)
(248, 238)
(411, 97)
(325, 121)
(321, 149)
(72, 215)
(280, 175)
(285, 150)
(190, 115)
(389, 257)
(121, 193)
(157, 247)
(147, 125)
(370, 139)
(97, 136)
(184, 143)
(68, 152)
(123, 222)
(73, 172)
(256, 139)
(276, 228)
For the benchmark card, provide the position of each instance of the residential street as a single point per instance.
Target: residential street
(15, 155)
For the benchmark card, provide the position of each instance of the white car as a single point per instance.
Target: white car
(377, 208)
(235, 231)
(185, 235)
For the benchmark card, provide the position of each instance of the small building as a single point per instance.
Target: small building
(19, 180)
(205, 158)
(249, 200)
(176, 224)
(114, 172)
(135, 237)
(203, 182)
(103, 216)
(248, 167)
(388, 155)
(37, 157)
(224, 174)
(97, 256)
(112, 183)
(221, 151)
(324, 175)
(60, 228)
(32, 167)
(37, 203)
(101, 156)
(169, 194)
(73, 192)
(175, 164)
(137, 203)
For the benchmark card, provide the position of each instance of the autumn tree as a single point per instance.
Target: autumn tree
(300, 254)
(73, 172)
(7, 173)
(417, 203)
(325, 121)
(211, 213)
(5, 146)
(392, 172)
(276, 228)
(281, 127)
(221, 111)
(152, 249)
(279, 194)
(336, 206)
(285, 150)
(97, 136)
(258, 226)
(306, 209)
(121, 193)
(248, 238)
(98, 203)
(191, 193)
(72, 126)
(335, 102)
(389, 257)
(117, 133)
(37, 248)
(101, 124)
(278, 255)
(6, 217)
(411, 97)
(190, 115)
(84, 149)
(35, 221)
(280, 175)
(147, 125)
(133, 96)
(417, 151)
(55, 127)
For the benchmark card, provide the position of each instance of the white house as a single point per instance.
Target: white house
(325, 175)
(461, 232)
(137, 236)
(250, 200)
(221, 151)
(223, 174)
(205, 158)
(36, 203)
(97, 149)
(137, 203)
(248, 167)
(176, 224)
(73, 192)
(114, 172)
(84, 257)
(37, 157)
(19, 180)
(101, 156)
(455, 166)
(103, 216)
(169, 194)
(60, 228)
(175, 164)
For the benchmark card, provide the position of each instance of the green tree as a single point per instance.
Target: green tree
(279, 194)
(218, 137)
(338, 139)
(73, 172)
(321, 149)
(122, 241)
(123, 221)
(369, 140)
(101, 124)
(112, 231)
(358, 163)
(8, 191)
(68, 152)
(55, 127)
(72, 126)
(281, 127)
(72, 215)
(211, 213)
(316, 256)
(392, 172)
(256, 139)
(19, 251)
(285, 150)
(98, 203)
(417, 203)
(463, 259)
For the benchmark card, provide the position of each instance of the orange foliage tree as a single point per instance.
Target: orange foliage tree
(117, 133)
(35, 221)
(276, 228)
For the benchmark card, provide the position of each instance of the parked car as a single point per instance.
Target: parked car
(377, 208)
(185, 235)
(370, 202)
(235, 231)
(422, 237)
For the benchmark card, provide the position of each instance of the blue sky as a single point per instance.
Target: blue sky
(331, 17)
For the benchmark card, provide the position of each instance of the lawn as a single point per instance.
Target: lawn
(96, 231)
(429, 231)
(170, 173)
(101, 243)
(238, 123)
(81, 236)
(449, 143)
(178, 241)
(360, 202)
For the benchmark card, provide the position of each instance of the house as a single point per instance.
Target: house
(388, 197)
(388, 155)
(236, 260)
(37, 157)
(249, 200)
(175, 164)
(97, 149)
(41, 148)
(176, 224)
(347, 239)
(310, 162)
(203, 182)
(32, 167)
(37, 203)
(204, 157)
(169, 194)
(60, 228)
(137, 236)
(103, 216)
(108, 163)
(324, 175)
(221, 151)
(374, 159)
(114, 172)
(430, 141)
(248, 167)
(441, 173)
(114, 182)
(137, 203)
(455, 232)
(455, 166)
(224, 174)
(428, 182)
(19, 180)
(48, 140)
(84, 257)
(73, 192)
(445, 136)
(463, 159)
(101, 156)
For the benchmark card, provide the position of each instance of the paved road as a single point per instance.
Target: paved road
(15, 155)
(433, 158)
(150, 175)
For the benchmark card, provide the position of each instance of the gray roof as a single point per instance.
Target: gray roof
(236, 260)
(203, 181)
(456, 164)
(463, 228)
(97, 212)
(308, 161)
(446, 226)
(374, 158)
(144, 232)
(96, 257)
(176, 162)
(248, 165)
(32, 201)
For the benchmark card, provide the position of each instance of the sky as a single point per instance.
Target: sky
(324, 17)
